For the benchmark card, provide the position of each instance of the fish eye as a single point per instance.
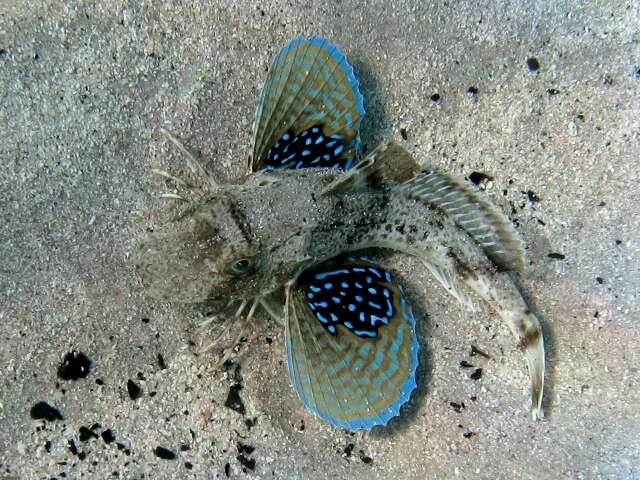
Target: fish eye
(241, 266)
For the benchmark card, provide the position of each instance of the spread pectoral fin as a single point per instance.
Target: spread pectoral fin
(351, 343)
(310, 109)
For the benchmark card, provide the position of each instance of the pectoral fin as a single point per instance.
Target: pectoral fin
(450, 285)
(351, 343)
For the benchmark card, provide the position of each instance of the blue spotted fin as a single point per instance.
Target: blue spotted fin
(489, 227)
(351, 343)
(387, 162)
(310, 109)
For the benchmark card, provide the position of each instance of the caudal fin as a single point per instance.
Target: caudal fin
(499, 291)
(532, 346)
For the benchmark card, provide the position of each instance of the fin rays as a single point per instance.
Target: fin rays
(309, 84)
(480, 219)
(352, 381)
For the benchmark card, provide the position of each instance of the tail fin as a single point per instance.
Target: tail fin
(499, 291)
(532, 346)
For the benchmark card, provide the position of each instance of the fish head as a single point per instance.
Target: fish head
(207, 252)
(241, 242)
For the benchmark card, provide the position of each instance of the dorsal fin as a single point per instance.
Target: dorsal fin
(395, 163)
(389, 161)
(489, 227)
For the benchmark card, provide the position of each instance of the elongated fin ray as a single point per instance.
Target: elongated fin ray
(354, 375)
(477, 216)
(310, 109)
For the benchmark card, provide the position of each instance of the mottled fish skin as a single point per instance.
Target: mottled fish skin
(278, 223)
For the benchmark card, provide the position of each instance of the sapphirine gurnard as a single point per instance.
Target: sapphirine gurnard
(289, 239)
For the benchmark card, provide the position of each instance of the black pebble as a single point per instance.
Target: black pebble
(600, 280)
(403, 133)
(346, 452)
(161, 362)
(74, 449)
(251, 422)
(468, 435)
(556, 256)
(108, 436)
(476, 374)
(75, 365)
(478, 177)
(85, 434)
(532, 64)
(123, 447)
(242, 448)
(533, 198)
(164, 453)
(42, 410)
(457, 406)
(365, 459)
(435, 97)
(465, 364)
(227, 470)
(249, 463)
(553, 91)
(134, 390)
(188, 465)
(472, 91)
(233, 401)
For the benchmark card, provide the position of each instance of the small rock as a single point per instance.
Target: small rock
(44, 411)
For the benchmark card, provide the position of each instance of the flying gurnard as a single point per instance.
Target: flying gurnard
(290, 237)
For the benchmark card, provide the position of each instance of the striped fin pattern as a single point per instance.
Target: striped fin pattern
(349, 362)
(310, 109)
(480, 219)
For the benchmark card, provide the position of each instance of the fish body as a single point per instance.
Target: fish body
(290, 237)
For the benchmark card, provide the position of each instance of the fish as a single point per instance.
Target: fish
(295, 237)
